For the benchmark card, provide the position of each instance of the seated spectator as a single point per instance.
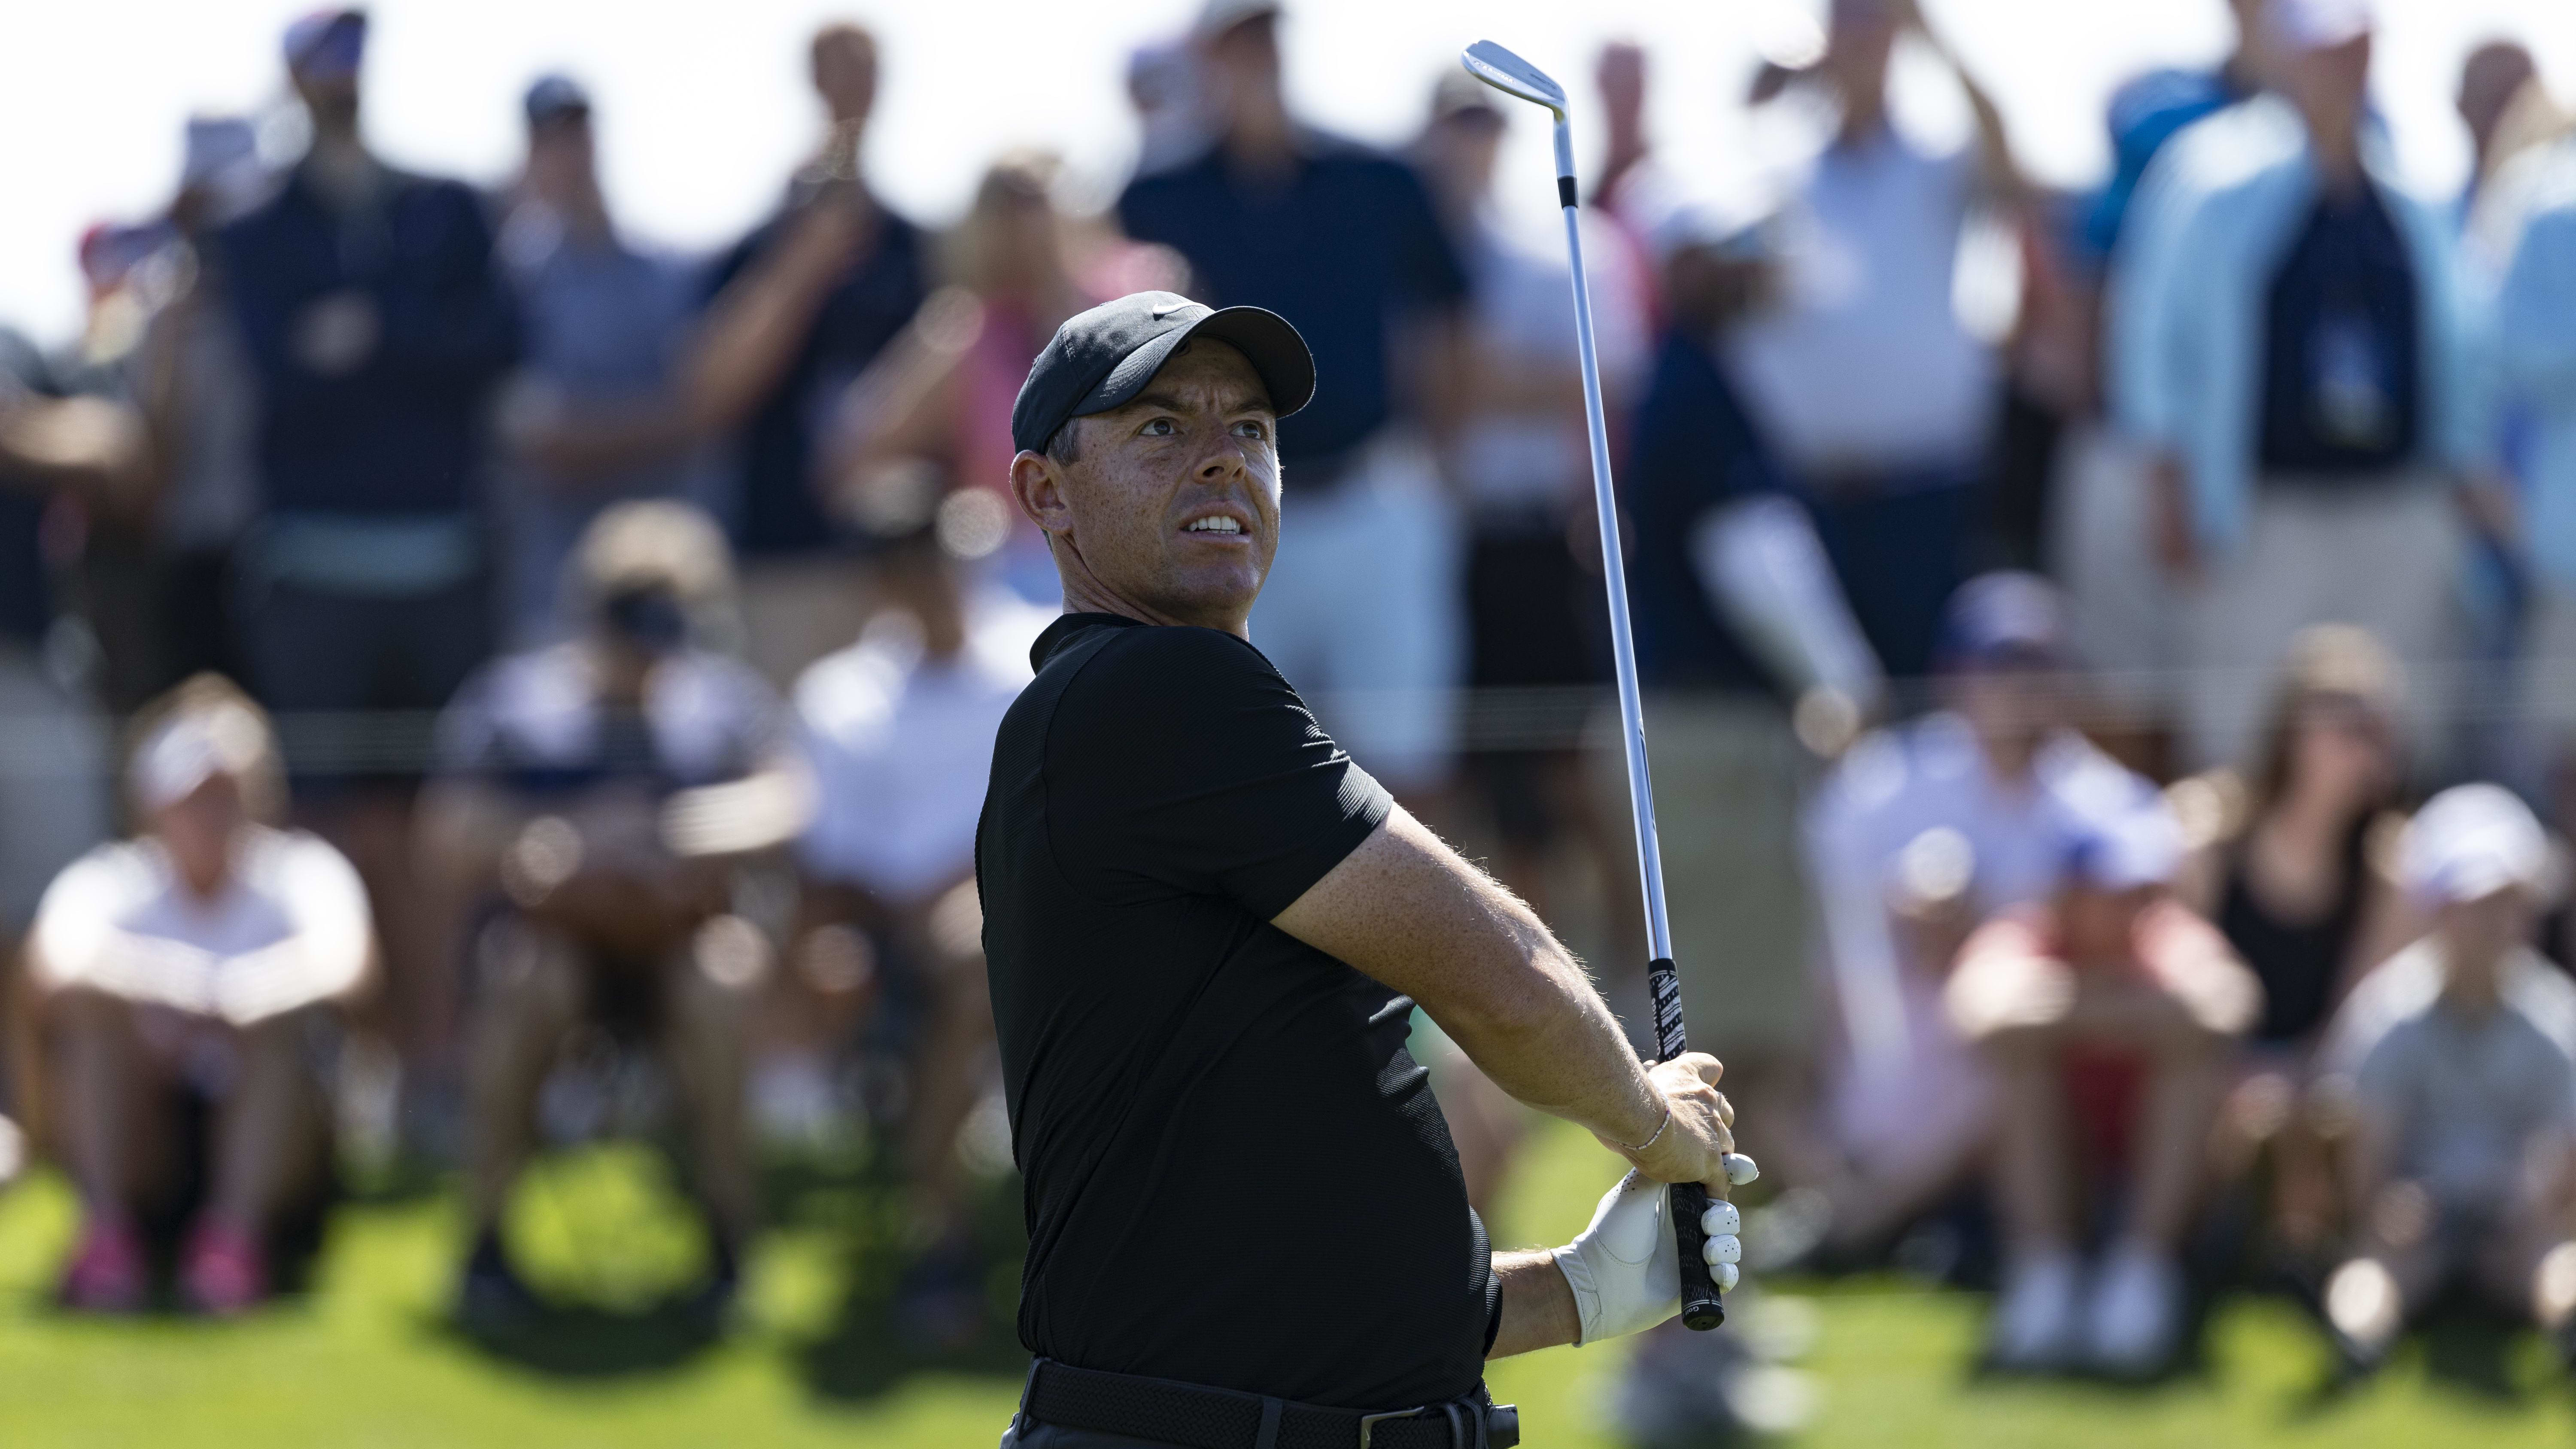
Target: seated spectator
(2460, 1057)
(600, 794)
(899, 729)
(2292, 877)
(211, 957)
(2106, 1015)
(1921, 833)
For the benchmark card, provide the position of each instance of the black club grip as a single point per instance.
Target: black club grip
(1702, 1306)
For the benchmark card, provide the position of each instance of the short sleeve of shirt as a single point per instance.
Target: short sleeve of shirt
(1180, 761)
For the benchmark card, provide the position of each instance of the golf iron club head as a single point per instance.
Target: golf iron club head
(1513, 76)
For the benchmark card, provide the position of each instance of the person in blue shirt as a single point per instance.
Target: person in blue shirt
(378, 328)
(594, 416)
(1365, 605)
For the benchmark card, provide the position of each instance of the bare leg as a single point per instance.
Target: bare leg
(267, 1137)
(946, 1085)
(417, 1010)
(2184, 1087)
(706, 1040)
(532, 997)
(2033, 1180)
(99, 1066)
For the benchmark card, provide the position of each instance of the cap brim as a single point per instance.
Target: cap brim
(1277, 354)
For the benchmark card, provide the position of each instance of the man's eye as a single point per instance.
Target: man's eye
(1251, 429)
(1159, 428)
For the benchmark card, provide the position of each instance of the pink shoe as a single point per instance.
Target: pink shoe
(108, 1274)
(226, 1270)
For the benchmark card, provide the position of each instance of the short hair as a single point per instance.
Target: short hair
(1064, 447)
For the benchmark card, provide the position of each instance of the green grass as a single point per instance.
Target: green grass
(367, 1360)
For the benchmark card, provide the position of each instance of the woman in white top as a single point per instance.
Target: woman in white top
(212, 954)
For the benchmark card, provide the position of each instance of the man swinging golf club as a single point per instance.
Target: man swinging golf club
(1203, 920)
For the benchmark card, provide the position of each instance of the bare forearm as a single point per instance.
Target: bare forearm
(1568, 1058)
(1538, 1306)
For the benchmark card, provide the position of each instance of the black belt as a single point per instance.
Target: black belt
(1192, 1416)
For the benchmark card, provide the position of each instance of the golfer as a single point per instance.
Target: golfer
(1207, 928)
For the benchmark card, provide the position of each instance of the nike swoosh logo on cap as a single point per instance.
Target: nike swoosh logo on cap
(1162, 312)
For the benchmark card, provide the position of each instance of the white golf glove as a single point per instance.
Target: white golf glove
(1625, 1269)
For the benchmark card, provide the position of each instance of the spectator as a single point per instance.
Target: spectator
(377, 328)
(2460, 1054)
(801, 307)
(899, 730)
(942, 390)
(1862, 373)
(2289, 338)
(601, 793)
(1536, 618)
(2494, 82)
(126, 271)
(2106, 1014)
(1165, 87)
(54, 451)
(210, 958)
(593, 417)
(2536, 353)
(1921, 833)
(1738, 621)
(195, 386)
(1363, 602)
(2294, 879)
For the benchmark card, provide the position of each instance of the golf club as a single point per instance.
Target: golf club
(1702, 1308)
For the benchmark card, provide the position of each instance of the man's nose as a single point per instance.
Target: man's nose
(1223, 460)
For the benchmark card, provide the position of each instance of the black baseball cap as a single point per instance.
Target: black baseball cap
(1100, 359)
(555, 96)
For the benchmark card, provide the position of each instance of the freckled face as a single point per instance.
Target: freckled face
(1174, 497)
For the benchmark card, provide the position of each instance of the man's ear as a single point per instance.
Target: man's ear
(1037, 484)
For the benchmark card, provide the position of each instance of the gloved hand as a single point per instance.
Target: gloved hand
(1625, 1269)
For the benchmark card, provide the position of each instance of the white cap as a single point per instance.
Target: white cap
(193, 748)
(2317, 24)
(2469, 842)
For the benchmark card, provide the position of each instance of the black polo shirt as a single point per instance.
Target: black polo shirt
(1236, 1174)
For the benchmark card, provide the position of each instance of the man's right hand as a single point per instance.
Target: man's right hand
(1695, 1144)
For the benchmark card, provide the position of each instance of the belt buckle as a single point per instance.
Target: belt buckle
(1369, 1422)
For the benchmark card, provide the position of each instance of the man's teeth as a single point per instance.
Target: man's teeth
(1219, 524)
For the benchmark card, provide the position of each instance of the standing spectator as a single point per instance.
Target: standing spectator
(2497, 86)
(801, 307)
(2460, 1054)
(942, 390)
(1863, 375)
(2536, 348)
(899, 731)
(200, 403)
(378, 328)
(2290, 338)
(210, 958)
(1536, 617)
(594, 416)
(1921, 833)
(2106, 1013)
(2294, 878)
(53, 780)
(1363, 602)
(1738, 621)
(599, 794)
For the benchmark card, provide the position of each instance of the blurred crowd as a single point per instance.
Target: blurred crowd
(455, 652)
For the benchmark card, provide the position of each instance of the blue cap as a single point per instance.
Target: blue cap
(327, 44)
(2125, 846)
(2003, 619)
(555, 96)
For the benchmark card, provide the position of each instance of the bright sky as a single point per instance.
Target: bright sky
(703, 108)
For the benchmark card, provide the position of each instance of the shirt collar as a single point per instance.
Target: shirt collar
(1072, 626)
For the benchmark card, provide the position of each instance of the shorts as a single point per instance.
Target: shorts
(1536, 617)
(55, 801)
(356, 680)
(1362, 613)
